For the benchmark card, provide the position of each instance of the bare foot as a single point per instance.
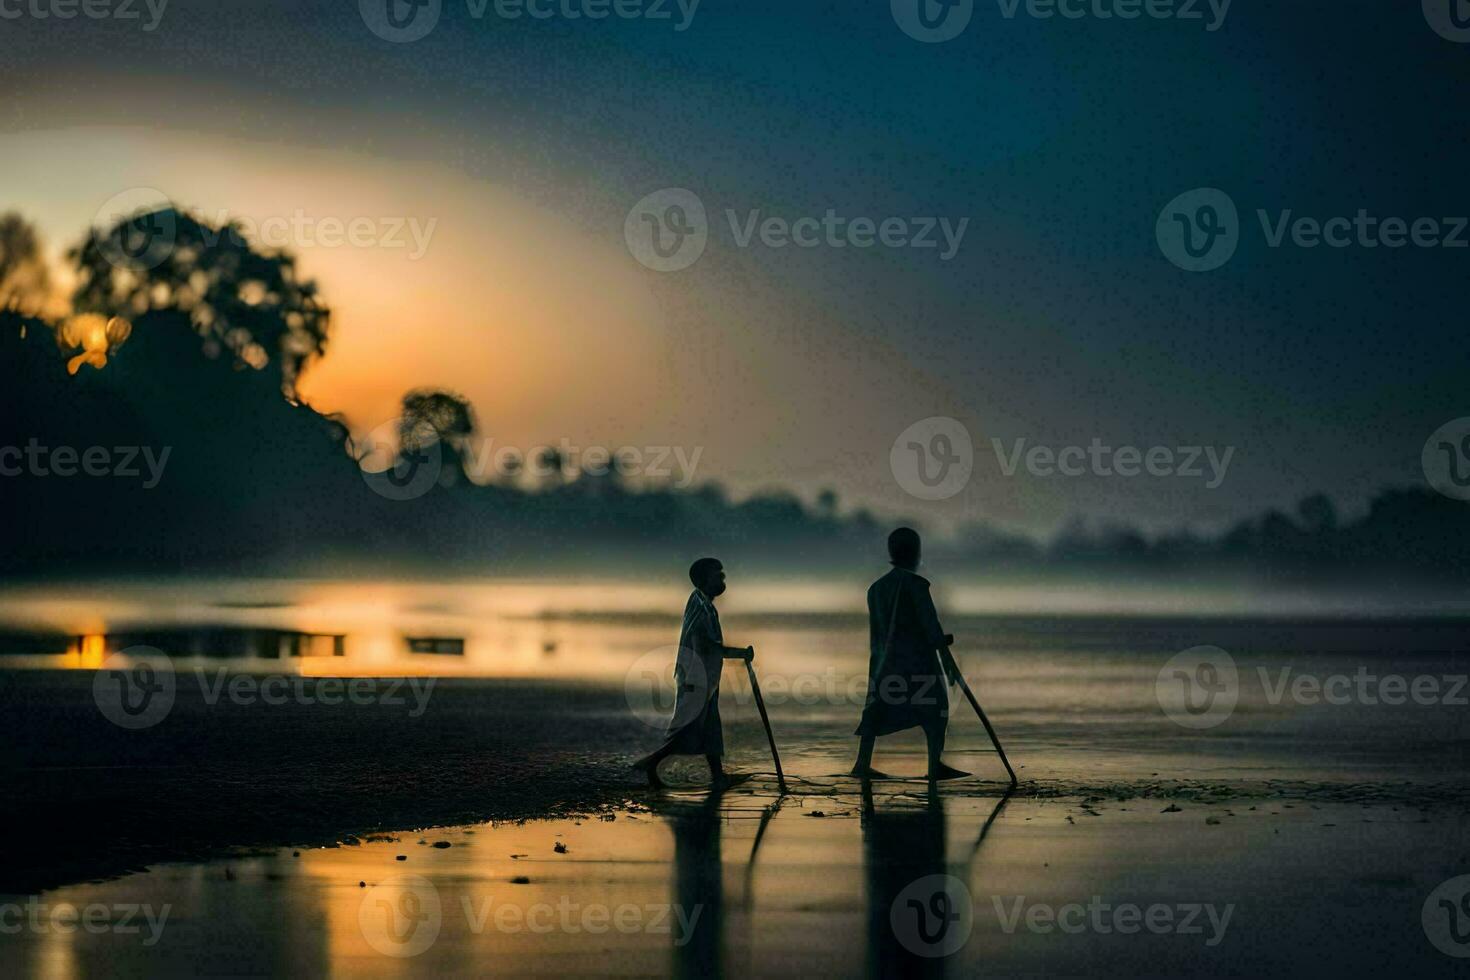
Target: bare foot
(868, 773)
(947, 772)
(725, 780)
(650, 770)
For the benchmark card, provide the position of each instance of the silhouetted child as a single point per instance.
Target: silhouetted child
(695, 728)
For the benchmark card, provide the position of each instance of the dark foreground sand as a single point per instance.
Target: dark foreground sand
(91, 799)
(820, 883)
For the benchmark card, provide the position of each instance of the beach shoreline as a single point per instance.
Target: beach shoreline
(93, 801)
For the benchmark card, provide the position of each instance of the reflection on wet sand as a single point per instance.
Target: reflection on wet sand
(830, 880)
(919, 910)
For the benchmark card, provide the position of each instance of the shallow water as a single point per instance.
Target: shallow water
(1079, 698)
(821, 883)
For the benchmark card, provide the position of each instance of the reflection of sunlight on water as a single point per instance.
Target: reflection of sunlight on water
(564, 628)
(91, 649)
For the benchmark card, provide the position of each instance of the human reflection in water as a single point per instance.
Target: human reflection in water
(699, 889)
(919, 912)
(699, 884)
(902, 845)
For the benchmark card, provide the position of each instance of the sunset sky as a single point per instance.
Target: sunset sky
(524, 143)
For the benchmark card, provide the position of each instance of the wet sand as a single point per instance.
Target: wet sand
(819, 882)
(272, 831)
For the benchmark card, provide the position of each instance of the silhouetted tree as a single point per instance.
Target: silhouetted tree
(247, 303)
(551, 465)
(432, 415)
(25, 282)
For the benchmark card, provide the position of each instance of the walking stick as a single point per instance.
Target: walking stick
(989, 728)
(760, 704)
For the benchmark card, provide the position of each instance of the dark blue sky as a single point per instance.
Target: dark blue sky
(1057, 321)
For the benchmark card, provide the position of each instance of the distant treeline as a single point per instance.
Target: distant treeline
(193, 351)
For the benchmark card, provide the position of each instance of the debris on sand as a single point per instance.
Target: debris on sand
(520, 880)
(441, 844)
(1172, 808)
(401, 857)
(517, 857)
(559, 847)
(1212, 821)
(362, 884)
(817, 813)
(608, 817)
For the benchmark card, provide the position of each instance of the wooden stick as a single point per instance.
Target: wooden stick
(989, 728)
(760, 704)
